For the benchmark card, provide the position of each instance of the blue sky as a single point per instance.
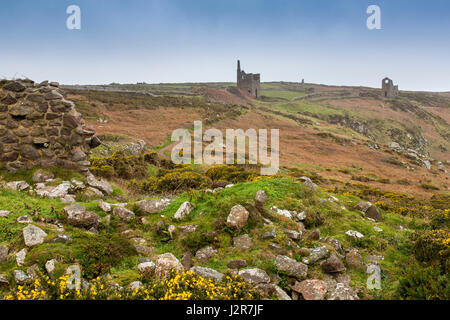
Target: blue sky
(323, 41)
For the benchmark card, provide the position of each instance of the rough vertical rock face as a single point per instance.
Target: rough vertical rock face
(39, 127)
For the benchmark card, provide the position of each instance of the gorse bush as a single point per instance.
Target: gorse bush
(421, 282)
(97, 257)
(123, 166)
(178, 286)
(231, 174)
(433, 245)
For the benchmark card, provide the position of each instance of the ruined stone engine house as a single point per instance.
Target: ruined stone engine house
(388, 88)
(39, 127)
(248, 82)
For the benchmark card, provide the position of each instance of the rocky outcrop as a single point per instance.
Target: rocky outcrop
(39, 127)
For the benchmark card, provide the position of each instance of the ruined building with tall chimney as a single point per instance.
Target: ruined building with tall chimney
(248, 82)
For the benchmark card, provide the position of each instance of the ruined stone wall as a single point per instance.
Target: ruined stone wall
(250, 83)
(39, 127)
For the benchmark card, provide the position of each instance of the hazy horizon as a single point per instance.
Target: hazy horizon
(180, 41)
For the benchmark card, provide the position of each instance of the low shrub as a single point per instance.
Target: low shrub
(424, 283)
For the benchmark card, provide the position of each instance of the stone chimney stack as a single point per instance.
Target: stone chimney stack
(238, 72)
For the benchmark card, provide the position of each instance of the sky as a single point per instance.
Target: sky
(173, 41)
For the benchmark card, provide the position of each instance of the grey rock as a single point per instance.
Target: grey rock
(123, 213)
(17, 185)
(25, 220)
(208, 273)
(291, 267)
(184, 210)
(101, 184)
(260, 198)
(238, 217)
(269, 235)
(104, 206)
(78, 216)
(281, 294)
(316, 255)
(237, 264)
(254, 276)
(20, 257)
(205, 254)
(354, 234)
(4, 213)
(21, 277)
(61, 238)
(243, 242)
(153, 206)
(147, 267)
(135, 285)
(33, 235)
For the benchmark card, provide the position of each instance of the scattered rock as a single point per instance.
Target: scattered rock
(394, 146)
(123, 213)
(171, 230)
(205, 254)
(4, 213)
(333, 265)
(135, 285)
(311, 289)
(146, 267)
(254, 276)
(33, 235)
(269, 235)
(238, 217)
(186, 261)
(342, 292)
(316, 255)
(93, 193)
(24, 220)
(20, 257)
(17, 185)
(308, 182)
(293, 235)
(184, 210)
(281, 294)
(353, 259)
(208, 273)
(291, 267)
(147, 207)
(284, 213)
(336, 244)
(61, 238)
(78, 216)
(237, 264)
(50, 266)
(144, 250)
(166, 263)
(101, 184)
(40, 176)
(243, 242)
(354, 234)
(4, 281)
(104, 206)
(377, 229)
(21, 277)
(260, 198)
(190, 228)
(374, 213)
